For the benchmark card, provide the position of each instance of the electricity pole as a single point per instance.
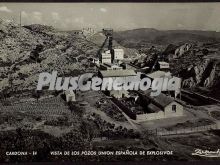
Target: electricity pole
(20, 21)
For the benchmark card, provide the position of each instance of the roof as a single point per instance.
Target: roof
(163, 100)
(117, 73)
(117, 49)
(153, 108)
(163, 63)
(110, 65)
(160, 101)
(159, 74)
(69, 92)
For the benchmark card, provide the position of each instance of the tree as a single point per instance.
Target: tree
(36, 94)
(205, 51)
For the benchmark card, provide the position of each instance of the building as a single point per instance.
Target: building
(96, 61)
(159, 107)
(111, 56)
(70, 96)
(106, 57)
(109, 66)
(158, 74)
(161, 74)
(118, 54)
(118, 73)
(164, 66)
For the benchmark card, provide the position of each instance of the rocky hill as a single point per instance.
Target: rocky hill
(193, 55)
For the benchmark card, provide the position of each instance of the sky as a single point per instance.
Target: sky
(119, 16)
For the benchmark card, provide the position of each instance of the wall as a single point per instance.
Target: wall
(162, 114)
(168, 110)
(70, 97)
(151, 116)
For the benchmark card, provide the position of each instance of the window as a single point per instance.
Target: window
(173, 108)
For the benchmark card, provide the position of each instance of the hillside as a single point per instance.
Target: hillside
(27, 51)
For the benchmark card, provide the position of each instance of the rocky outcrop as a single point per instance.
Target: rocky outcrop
(181, 50)
(204, 74)
(195, 70)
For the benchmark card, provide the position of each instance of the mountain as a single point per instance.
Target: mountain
(138, 37)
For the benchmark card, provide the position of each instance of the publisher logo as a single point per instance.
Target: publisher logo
(207, 153)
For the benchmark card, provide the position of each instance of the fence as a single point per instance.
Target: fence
(164, 132)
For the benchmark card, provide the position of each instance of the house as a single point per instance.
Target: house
(164, 66)
(159, 107)
(70, 96)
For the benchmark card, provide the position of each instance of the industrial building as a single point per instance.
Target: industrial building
(114, 74)
(118, 54)
(106, 57)
(110, 66)
(110, 56)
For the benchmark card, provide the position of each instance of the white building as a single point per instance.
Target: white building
(106, 57)
(118, 54)
(164, 65)
(70, 96)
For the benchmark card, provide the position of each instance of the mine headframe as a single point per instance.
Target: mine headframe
(108, 32)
